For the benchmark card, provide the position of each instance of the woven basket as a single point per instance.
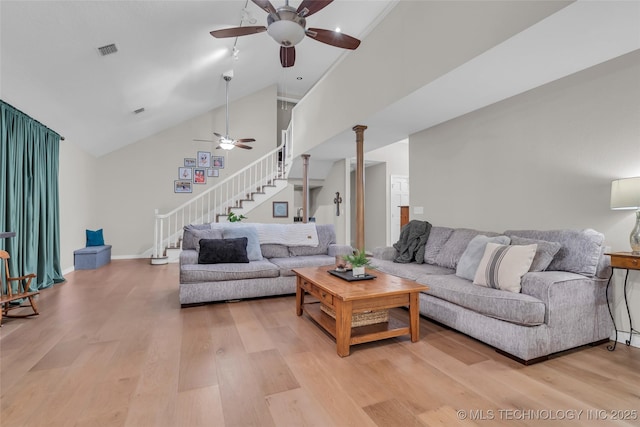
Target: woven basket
(361, 319)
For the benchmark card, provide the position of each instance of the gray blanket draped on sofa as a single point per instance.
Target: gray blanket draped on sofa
(412, 241)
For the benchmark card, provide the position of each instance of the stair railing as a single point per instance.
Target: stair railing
(220, 199)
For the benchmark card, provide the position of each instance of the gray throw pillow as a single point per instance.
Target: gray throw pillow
(471, 257)
(579, 252)
(193, 233)
(438, 236)
(544, 253)
(456, 244)
(253, 244)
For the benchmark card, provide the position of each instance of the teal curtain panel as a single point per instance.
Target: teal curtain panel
(29, 197)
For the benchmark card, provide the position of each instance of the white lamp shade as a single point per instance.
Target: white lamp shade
(286, 33)
(625, 193)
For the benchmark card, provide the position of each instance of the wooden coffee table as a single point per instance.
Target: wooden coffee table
(346, 298)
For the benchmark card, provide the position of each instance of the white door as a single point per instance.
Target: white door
(399, 197)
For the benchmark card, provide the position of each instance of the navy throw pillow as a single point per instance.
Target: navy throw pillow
(220, 251)
(95, 238)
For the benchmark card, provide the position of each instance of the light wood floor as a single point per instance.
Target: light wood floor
(112, 347)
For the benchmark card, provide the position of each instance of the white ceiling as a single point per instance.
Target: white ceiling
(579, 36)
(170, 65)
(167, 62)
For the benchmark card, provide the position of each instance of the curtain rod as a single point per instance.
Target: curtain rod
(40, 123)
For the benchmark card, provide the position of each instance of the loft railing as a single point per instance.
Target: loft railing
(220, 199)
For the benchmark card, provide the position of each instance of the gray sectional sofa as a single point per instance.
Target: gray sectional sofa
(269, 270)
(559, 307)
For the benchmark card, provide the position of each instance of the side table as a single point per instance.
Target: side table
(625, 261)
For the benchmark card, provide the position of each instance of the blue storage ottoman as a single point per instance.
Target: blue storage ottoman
(91, 257)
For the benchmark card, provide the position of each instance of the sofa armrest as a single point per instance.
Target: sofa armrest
(339, 250)
(386, 253)
(188, 256)
(563, 292)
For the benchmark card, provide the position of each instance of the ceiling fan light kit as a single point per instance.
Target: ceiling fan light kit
(224, 141)
(287, 32)
(287, 26)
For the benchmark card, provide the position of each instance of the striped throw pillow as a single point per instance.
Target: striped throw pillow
(502, 266)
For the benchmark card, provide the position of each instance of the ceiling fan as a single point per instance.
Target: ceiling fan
(287, 26)
(225, 142)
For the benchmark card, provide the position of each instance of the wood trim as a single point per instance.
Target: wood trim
(359, 130)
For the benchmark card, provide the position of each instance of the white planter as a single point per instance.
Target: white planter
(358, 271)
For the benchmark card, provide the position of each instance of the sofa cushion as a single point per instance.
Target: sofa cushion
(438, 236)
(253, 244)
(502, 267)
(219, 251)
(509, 306)
(580, 251)
(194, 232)
(326, 236)
(470, 258)
(544, 252)
(287, 264)
(456, 245)
(196, 273)
(409, 271)
(270, 250)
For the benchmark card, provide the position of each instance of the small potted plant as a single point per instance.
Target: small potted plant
(358, 262)
(235, 218)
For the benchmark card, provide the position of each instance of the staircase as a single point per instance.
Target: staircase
(241, 192)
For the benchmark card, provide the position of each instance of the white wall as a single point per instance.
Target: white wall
(78, 199)
(543, 160)
(421, 41)
(137, 179)
(396, 157)
(264, 212)
(376, 208)
(325, 211)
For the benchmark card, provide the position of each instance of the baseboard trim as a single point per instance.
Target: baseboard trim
(623, 337)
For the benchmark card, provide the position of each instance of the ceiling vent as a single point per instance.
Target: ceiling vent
(138, 111)
(108, 49)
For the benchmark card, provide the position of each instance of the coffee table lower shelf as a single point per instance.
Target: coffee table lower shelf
(359, 334)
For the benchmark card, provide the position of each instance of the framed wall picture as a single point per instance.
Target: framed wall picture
(199, 176)
(182, 186)
(280, 209)
(190, 162)
(218, 162)
(213, 173)
(185, 174)
(204, 159)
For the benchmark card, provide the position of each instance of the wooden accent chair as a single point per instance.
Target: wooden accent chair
(7, 294)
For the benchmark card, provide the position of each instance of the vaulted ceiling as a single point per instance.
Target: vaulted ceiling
(168, 64)
(166, 61)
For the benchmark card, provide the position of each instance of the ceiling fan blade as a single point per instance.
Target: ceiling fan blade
(203, 140)
(246, 140)
(266, 6)
(218, 135)
(237, 31)
(333, 38)
(246, 147)
(287, 56)
(218, 147)
(312, 6)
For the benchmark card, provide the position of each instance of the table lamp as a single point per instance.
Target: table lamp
(625, 194)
